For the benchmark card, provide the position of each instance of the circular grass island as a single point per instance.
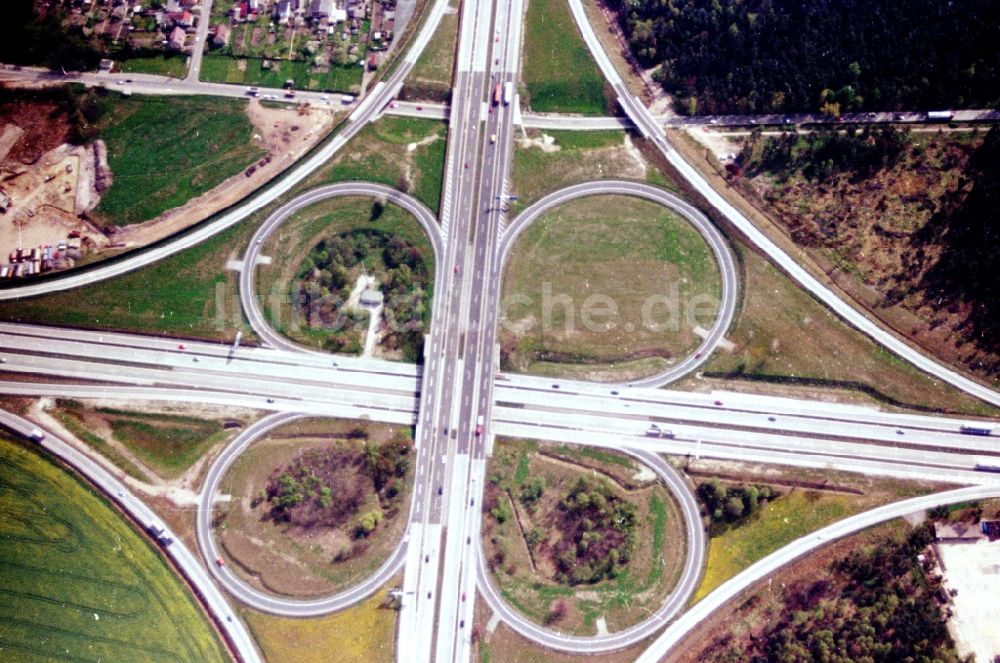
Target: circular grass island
(607, 288)
(338, 264)
(579, 540)
(315, 506)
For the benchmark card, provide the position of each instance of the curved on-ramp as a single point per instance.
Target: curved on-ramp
(248, 299)
(236, 586)
(716, 242)
(690, 576)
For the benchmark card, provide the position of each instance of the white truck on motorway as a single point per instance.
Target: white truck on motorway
(940, 116)
(508, 93)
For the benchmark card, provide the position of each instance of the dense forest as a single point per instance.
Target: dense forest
(875, 605)
(754, 56)
(598, 533)
(26, 37)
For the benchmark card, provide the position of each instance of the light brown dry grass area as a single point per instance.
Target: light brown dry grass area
(292, 561)
(755, 607)
(364, 633)
(783, 334)
(285, 133)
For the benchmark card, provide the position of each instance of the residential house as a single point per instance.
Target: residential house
(283, 11)
(221, 36)
(177, 38)
(320, 8)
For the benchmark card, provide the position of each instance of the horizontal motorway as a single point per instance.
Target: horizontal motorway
(720, 424)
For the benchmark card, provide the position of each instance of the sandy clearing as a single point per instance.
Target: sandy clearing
(721, 145)
(973, 570)
(545, 143)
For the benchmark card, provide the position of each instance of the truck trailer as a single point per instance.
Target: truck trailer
(940, 116)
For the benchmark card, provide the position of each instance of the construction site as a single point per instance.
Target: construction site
(44, 204)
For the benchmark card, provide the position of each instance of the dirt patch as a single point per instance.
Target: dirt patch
(8, 138)
(45, 126)
(721, 146)
(310, 510)
(545, 143)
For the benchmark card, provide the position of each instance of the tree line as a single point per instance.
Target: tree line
(761, 56)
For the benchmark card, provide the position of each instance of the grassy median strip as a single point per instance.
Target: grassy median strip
(558, 71)
(188, 294)
(79, 583)
(431, 75)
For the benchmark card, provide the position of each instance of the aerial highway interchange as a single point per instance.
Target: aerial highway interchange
(460, 381)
